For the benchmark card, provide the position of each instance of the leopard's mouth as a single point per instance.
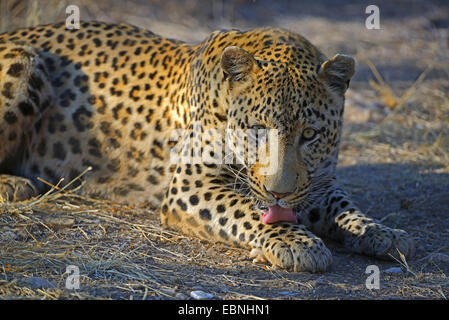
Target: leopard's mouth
(264, 203)
(264, 206)
(276, 213)
(261, 207)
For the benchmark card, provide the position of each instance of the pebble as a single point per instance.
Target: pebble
(201, 295)
(393, 270)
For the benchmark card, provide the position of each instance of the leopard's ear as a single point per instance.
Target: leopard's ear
(236, 63)
(337, 72)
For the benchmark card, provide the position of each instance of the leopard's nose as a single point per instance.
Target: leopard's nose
(278, 195)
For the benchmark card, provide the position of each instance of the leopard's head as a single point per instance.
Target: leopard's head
(297, 99)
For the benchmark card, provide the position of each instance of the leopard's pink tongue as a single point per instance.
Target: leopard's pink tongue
(277, 213)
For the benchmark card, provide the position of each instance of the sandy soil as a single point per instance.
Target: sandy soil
(394, 161)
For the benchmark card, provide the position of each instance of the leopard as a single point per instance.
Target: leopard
(110, 97)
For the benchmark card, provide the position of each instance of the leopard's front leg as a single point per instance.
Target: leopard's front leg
(338, 218)
(199, 203)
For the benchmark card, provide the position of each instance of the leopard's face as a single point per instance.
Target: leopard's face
(290, 113)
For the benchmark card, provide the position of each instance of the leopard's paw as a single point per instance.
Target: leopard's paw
(385, 243)
(13, 188)
(296, 250)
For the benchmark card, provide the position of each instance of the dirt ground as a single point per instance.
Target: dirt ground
(394, 160)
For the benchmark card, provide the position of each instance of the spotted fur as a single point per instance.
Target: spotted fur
(110, 97)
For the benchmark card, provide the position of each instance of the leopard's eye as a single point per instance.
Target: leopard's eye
(308, 134)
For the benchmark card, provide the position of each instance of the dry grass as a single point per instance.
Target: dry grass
(105, 239)
(385, 91)
(394, 160)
